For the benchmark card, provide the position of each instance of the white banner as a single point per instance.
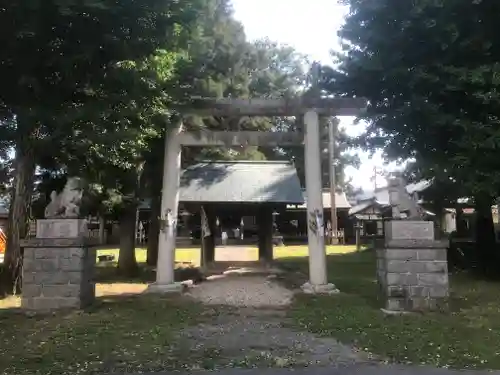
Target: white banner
(205, 228)
(320, 224)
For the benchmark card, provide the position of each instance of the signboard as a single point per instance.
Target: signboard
(368, 217)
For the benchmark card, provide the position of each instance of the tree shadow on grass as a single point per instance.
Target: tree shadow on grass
(108, 273)
(354, 274)
(470, 292)
(115, 334)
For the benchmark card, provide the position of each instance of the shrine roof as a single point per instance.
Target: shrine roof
(241, 182)
(341, 201)
(361, 207)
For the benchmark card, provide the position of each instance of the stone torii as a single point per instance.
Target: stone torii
(310, 108)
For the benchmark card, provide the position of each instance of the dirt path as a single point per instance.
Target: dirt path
(247, 327)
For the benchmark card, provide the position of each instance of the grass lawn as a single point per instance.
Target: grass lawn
(192, 255)
(117, 335)
(120, 334)
(467, 337)
(135, 334)
(109, 283)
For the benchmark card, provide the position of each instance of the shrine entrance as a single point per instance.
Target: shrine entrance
(307, 108)
(232, 205)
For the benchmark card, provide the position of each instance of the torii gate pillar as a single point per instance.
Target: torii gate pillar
(165, 268)
(318, 281)
(311, 109)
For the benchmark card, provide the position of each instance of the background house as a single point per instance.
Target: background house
(293, 225)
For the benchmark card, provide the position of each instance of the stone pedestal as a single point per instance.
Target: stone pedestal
(61, 228)
(58, 267)
(412, 267)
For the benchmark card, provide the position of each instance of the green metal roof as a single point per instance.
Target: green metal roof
(241, 182)
(340, 200)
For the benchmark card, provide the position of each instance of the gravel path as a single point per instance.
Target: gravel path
(242, 291)
(349, 370)
(246, 327)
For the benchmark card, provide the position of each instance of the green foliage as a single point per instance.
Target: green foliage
(111, 76)
(429, 70)
(60, 51)
(343, 153)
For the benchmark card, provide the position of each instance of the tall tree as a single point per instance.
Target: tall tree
(429, 70)
(222, 63)
(343, 156)
(80, 54)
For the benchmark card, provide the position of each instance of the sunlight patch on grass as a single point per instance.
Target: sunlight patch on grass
(101, 289)
(10, 302)
(192, 255)
(303, 251)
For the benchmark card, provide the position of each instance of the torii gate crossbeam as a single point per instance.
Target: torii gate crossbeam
(310, 109)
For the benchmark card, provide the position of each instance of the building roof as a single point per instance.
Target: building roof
(359, 208)
(340, 200)
(381, 195)
(241, 182)
(418, 187)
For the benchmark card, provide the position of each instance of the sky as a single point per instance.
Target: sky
(310, 26)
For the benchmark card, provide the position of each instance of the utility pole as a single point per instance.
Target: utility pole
(332, 133)
(375, 173)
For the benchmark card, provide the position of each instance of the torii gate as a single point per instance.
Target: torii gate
(308, 108)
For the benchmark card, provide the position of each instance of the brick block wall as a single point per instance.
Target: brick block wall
(413, 275)
(57, 273)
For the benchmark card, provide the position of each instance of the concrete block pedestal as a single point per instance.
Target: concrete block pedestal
(58, 266)
(412, 268)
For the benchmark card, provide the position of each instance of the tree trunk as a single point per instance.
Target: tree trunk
(460, 223)
(102, 230)
(154, 171)
(153, 230)
(438, 209)
(265, 232)
(17, 227)
(127, 263)
(486, 248)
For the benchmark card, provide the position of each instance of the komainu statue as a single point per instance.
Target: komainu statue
(66, 204)
(402, 202)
